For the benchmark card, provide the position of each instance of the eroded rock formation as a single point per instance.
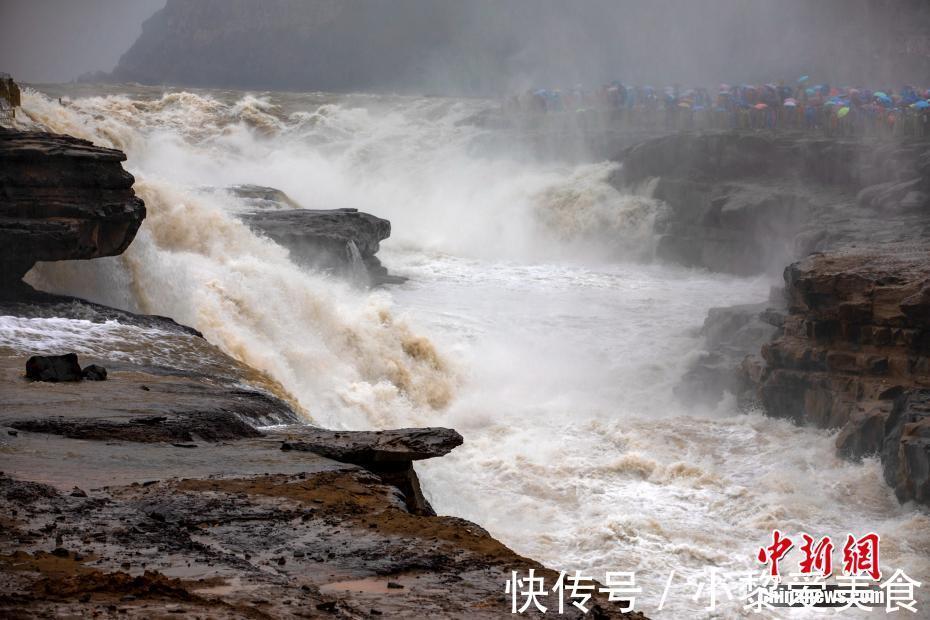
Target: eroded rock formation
(344, 241)
(61, 198)
(847, 341)
(390, 454)
(856, 341)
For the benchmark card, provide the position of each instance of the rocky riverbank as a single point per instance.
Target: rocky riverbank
(845, 343)
(186, 482)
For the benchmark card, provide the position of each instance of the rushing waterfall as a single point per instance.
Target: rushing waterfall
(534, 322)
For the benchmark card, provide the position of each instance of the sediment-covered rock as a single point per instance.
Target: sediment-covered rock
(390, 454)
(61, 198)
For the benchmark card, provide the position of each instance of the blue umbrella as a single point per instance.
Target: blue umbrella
(803, 79)
(922, 105)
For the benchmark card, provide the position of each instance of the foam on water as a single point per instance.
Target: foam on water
(531, 324)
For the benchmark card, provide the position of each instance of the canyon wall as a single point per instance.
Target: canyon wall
(846, 343)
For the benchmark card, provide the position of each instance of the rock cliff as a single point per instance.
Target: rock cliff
(846, 344)
(61, 198)
(855, 346)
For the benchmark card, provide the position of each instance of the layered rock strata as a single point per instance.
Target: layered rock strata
(61, 198)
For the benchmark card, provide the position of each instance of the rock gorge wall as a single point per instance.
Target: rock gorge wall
(846, 343)
(854, 354)
(61, 198)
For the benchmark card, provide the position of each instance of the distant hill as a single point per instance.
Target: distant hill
(491, 46)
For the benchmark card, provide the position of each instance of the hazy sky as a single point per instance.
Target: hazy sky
(58, 40)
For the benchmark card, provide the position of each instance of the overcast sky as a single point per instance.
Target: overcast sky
(58, 40)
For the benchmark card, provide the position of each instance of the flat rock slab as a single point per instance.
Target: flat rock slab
(376, 448)
(139, 405)
(329, 229)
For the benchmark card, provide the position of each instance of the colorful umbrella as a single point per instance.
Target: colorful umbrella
(760, 106)
(790, 103)
(842, 112)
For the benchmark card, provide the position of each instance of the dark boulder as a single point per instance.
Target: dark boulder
(61, 198)
(54, 368)
(94, 373)
(344, 241)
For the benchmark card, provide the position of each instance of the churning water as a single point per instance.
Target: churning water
(534, 322)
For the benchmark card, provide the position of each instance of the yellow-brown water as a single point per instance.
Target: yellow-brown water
(534, 323)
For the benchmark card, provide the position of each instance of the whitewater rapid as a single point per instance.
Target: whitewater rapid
(534, 322)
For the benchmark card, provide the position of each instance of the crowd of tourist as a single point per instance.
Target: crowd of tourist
(775, 106)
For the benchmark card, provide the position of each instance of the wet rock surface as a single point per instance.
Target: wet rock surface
(237, 527)
(61, 198)
(390, 454)
(54, 368)
(733, 337)
(847, 339)
(906, 447)
(176, 497)
(10, 95)
(747, 203)
(341, 240)
(324, 542)
(374, 448)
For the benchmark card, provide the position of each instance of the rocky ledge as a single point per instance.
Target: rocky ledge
(61, 198)
(341, 241)
(153, 493)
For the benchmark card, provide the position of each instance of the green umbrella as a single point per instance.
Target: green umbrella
(842, 112)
